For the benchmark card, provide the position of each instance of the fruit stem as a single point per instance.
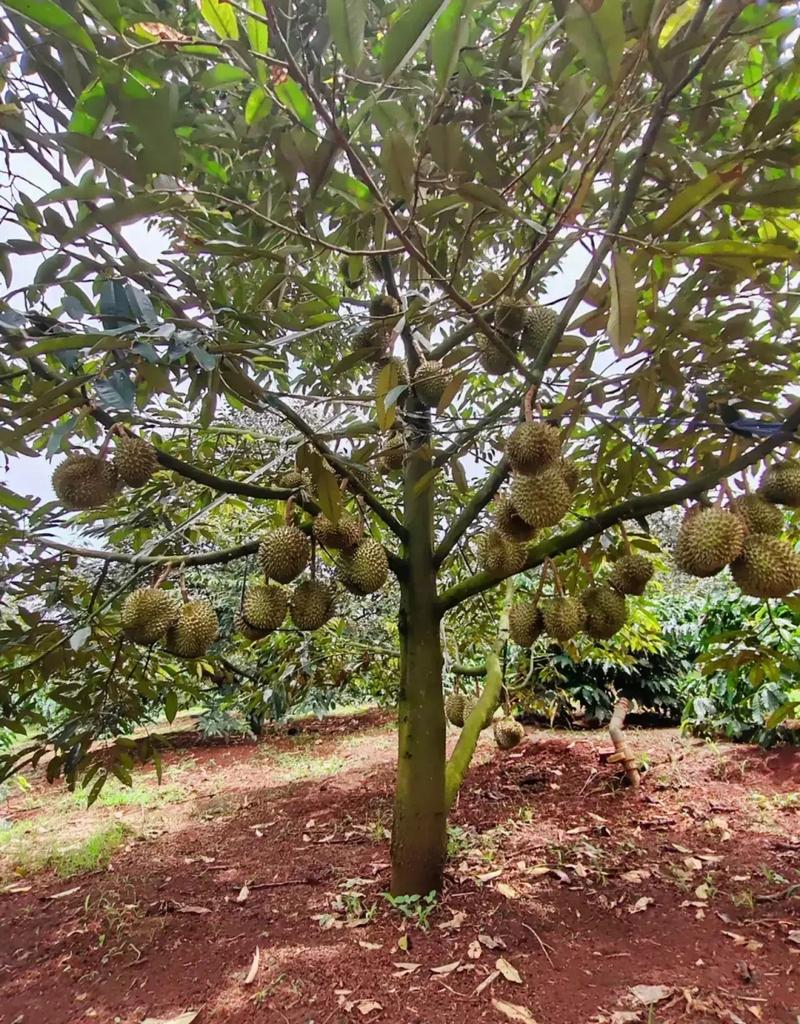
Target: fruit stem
(626, 541)
(527, 403)
(288, 515)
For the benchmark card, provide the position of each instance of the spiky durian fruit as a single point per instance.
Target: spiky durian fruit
(708, 539)
(194, 631)
(84, 481)
(311, 604)
(767, 567)
(760, 515)
(563, 617)
(264, 608)
(393, 453)
(366, 569)
(398, 373)
(780, 484)
(383, 305)
(525, 623)
(606, 611)
(631, 574)
(134, 460)
(430, 382)
(539, 321)
(284, 553)
(508, 733)
(292, 479)
(375, 265)
(500, 556)
(571, 474)
(338, 536)
(492, 358)
(511, 315)
(541, 500)
(508, 521)
(372, 341)
(532, 447)
(454, 708)
(147, 614)
(470, 703)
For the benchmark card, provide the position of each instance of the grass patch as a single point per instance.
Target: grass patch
(296, 766)
(114, 794)
(26, 854)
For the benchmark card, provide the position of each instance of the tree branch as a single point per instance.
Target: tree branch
(202, 558)
(477, 503)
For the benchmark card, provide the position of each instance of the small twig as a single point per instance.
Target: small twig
(278, 885)
(544, 945)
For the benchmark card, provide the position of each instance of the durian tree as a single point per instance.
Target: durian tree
(507, 275)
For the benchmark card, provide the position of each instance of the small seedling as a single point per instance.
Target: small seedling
(414, 908)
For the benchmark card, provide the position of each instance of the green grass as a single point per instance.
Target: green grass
(114, 794)
(27, 853)
(297, 766)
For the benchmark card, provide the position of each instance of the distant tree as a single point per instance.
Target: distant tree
(342, 184)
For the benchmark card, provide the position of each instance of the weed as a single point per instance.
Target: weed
(744, 898)
(295, 766)
(138, 795)
(377, 830)
(92, 854)
(414, 908)
(459, 840)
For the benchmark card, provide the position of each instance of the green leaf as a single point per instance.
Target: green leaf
(642, 10)
(768, 251)
(110, 11)
(482, 194)
(599, 38)
(171, 706)
(408, 34)
(387, 384)
(89, 109)
(51, 16)
(346, 20)
(449, 37)
(49, 269)
(104, 151)
(258, 30)
(221, 17)
(258, 106)
(397, 161)
(451, 391)
(223, 76)
(329, 495)
(694, 196)
(622, 314)
(290, 95)
(780, 714)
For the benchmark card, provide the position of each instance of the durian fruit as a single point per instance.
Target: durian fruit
(500, 556)
(510, 316)
(194, 631)
(284, 553)
(541, 500)
(492, 358)
(539, 321)
(430, 382)
(508, 732)
(134, 460)
(563, 617)
(372, 341)
(339, 536)
(532, 447)
(454, 708)
(606, 611)
(375, 266)
(366, 569)
(631, 574)
(383, 305)
(399, 368)
(263, 609)
(508, 521)
(311, 604)
(780, 484)
(292, 479)
(470, 703)
(571, 474)
(525, 623)
(393, 453)
(767, 567)
(84, 481)
(147, 614)
(708, 539)
(760, 515)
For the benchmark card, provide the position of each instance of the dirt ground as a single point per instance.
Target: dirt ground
(249, 888)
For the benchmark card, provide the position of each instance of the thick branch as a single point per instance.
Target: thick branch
(202, 558)
(477, 503)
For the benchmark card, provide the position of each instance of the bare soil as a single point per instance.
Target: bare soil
(570, 899)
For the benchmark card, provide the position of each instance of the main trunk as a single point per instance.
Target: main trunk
(419, 833)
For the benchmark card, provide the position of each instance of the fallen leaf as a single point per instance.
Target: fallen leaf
(370, 945)
(641, 904)
(702, 892)
(446, 968)
(625, 1017)
(649, 995)
(244, 892)
(405, 968)
(539, 870)
(251, 974)
(475, 951)
(508, 891)
(183, 1018)
(366, 1006)
(192, 910)
(487, 982)
(693, 863)
(514, 1012)
(635, 876)
(509, 971)
(580, 870)
(62, 895)
(402, 943)
(455, 922)
(16, 888)
(488, 876)
(794, 936)
(491, 942)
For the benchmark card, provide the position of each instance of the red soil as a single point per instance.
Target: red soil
(591, 889)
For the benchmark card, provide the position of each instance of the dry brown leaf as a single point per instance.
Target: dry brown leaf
(514, 1011)
(509, 971)
(182, 1018)
(366, 1006)
(488, 876)
(475, 950)
(487, 981)
(64, 894)
(491, 941)
(635, 876)
(251, 974)
(539, 870)
(446, 968)
(693, 863)
(649, 995)
(455, 922)
(15, 888)
(580, 870)
(405, 968)
(192, 910)
(625, 1017)
(370, 945)
(244, 892)
(506, 890)
(641, 904)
